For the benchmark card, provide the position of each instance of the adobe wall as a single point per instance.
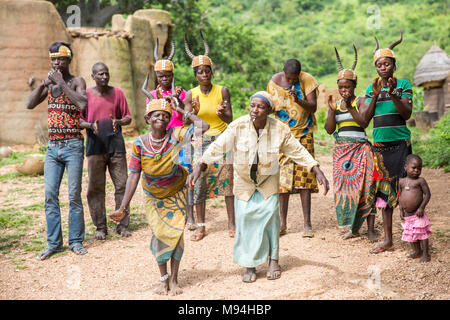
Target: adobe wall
(30, 26)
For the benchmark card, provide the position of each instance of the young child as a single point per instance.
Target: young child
(414, 196)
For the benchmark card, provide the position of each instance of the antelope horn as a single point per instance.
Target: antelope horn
(172, 51)
(186, 48)
(205, 44)
(393, 44)
(356, 58)
(144, 89)
(155, 52)
(378, 45)
(338, 59)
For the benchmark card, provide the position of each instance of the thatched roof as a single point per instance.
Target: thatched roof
(433, 66)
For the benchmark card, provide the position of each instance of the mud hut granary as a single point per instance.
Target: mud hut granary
(433, 74)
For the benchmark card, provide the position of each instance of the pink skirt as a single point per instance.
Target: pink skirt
(415, 228)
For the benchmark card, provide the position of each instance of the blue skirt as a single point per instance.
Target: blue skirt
(257, 230)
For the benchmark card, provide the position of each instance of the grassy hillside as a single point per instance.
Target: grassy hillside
(309, 31)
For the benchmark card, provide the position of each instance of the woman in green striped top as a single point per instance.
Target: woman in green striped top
(389, 103)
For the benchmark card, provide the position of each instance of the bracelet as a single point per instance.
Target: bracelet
(164, 277)
(187, 115)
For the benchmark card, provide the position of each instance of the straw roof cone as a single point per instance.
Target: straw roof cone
(434, 66)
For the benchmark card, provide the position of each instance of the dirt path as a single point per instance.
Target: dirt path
(324, 267)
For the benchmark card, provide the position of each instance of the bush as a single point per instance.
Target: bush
(435, 148)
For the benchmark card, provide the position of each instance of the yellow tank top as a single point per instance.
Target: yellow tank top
(208, 105)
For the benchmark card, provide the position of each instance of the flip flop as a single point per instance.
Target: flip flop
(46, 254)
(308, 234)
(249, 277)
(274, 275)
(198, 236)
(283, 231)
(380, 249)
(231, 233)
(79, 249)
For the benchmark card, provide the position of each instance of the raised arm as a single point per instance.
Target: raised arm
(402, 104)
(78, 94)
(310, 104)
(190, 116)
(38, 94)
(359, 119)
(367, 109)
(330, 124)
(224, 110)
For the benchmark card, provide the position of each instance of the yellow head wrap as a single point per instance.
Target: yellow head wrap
(62, 52)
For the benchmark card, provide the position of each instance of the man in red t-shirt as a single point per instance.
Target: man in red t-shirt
(106, 113)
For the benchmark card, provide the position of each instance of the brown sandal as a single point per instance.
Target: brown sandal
(198, 236)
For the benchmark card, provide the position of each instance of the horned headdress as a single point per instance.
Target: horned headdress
(382, 53)
(164, 64)
(157, 104)
(202, 60)
(348, 74)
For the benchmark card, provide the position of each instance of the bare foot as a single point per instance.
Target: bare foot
(415, 255)
(100, 235)
(249, 275)
(174, 288)
(125, 233)
(190, 224)
(349, 235)
(163, 288)
(425, 258)
(372, 236)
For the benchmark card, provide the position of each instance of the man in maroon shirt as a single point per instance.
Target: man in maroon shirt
(106, 113)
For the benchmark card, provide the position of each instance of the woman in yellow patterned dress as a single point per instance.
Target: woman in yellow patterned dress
(294, 95)
(163, 183)
(215, 109)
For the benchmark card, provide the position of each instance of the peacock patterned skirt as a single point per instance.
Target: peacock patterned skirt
(359, 177)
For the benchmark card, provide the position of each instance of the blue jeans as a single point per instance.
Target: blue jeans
(61, 155)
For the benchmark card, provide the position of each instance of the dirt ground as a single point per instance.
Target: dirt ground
(324, 267)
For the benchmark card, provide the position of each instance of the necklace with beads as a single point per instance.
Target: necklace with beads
(157, 151)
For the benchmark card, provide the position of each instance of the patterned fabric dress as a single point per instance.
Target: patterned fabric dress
(302, 123)
(217, 180)
(359, 176)
(163, 183)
